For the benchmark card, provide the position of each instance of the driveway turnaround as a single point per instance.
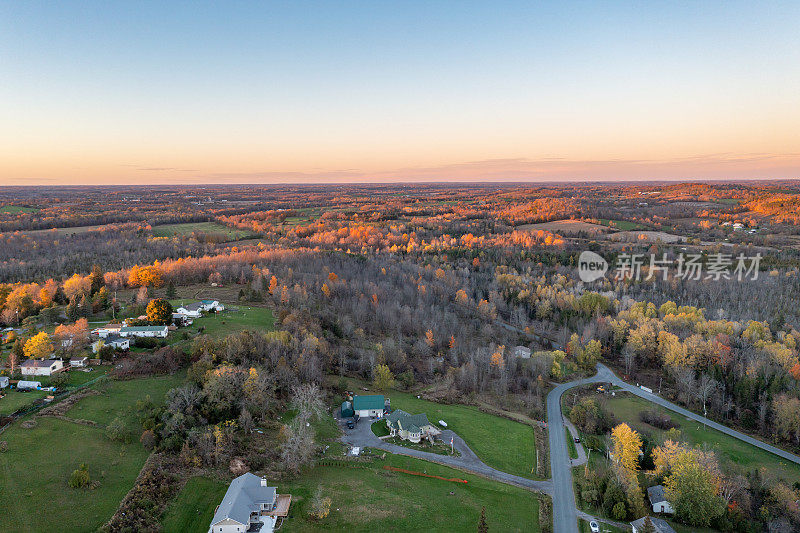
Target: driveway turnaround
(362, 436)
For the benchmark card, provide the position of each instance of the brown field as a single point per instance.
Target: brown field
(646, 236)
(565, 227)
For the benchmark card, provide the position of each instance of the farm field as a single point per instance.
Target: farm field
(646, 236)
(169, 230)
(501, 443)
(17, 209)
(623, 225)
(375, 499)
(626, 408)
(565, 227)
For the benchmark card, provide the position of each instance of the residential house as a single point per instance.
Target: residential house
(144, 331)
(371, 405)
(250, 505)
(658, 500)
(413, 428)
(659, 525)
(194, 310)
(181, 320)
(108, 329)
(212, 305)
(4, 382)
(79, 362)
(41, 367)
(112, 341)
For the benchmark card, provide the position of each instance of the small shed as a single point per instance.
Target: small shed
(3, 382)
(28, 385)
(347, 409)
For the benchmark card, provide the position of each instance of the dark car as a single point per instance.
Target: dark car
(577, 439)
(350, 424)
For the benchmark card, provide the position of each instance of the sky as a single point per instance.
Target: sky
(378, 91)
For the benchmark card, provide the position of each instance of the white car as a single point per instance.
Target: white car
(594, 527)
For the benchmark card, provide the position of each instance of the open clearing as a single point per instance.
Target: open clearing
(565, 227)
(169, 230)
(49, 452)
(374, 499)
(646, 236)
(17, 209)
(736, 453)
(234, 318)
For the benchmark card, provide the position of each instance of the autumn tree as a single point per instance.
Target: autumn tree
(384, 378)
(159, 311)
(38, 346)
(692, 489)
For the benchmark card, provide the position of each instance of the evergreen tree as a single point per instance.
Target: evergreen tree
(171, 290)
(482, 526)
(73, 313)
(97, 279)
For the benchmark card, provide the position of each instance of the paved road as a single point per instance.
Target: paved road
(565, 513)
(362, 436)
(697, 418)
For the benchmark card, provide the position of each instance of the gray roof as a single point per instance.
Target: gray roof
(39, 363)
(660, 525)
(656, 494)
(244, 496)
(399, 419)
(193, 307)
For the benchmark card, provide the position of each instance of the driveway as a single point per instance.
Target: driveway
(362, 436)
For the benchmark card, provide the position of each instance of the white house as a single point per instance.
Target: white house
(212, 305)
(523, 352)
(249, 505)
(144, 331)
(112, 341)
(41, 367)
(369, 406)
(108, 329)
(658, 500)
(79, 362)
(194, 310)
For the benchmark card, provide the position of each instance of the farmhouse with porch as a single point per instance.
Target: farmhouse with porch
(413, 428)
(250, 505)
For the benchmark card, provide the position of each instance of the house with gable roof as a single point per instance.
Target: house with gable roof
(250, 505)
(409, 427)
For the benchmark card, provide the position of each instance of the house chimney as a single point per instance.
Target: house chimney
(263, 482)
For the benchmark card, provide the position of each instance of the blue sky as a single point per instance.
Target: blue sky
(102, 92)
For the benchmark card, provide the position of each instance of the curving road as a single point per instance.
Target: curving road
(565, 512)
(362, 436)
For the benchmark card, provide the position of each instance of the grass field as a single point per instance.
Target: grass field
(501, 443)
(14, 400)
(230, 321)
(194, 507)
(16, 209)
(624, 225)
(573, 452)
(374, 499)
(119, 398)
(35, 469)
(169, 230)
(732, 451)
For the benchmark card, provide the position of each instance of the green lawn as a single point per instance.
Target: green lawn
(14, 400)
(34, 494)
(374, 499)
(194, 507)
(624, 225)
(228, 321)
(501, 443)
(583, 527)
(573, 452)
(16, 209)
(169, 230)
(119, 398)
(730, 450)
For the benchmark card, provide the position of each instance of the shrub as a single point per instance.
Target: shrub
(117, 430)
(80, 477)
(656, 419)
(320, 506)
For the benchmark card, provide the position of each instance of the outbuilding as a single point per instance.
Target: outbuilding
(371, 405)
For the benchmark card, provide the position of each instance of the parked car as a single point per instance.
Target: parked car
(350, 424)
(577, 439)
(594, 527)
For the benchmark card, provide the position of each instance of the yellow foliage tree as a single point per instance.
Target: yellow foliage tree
(626, 445)
(38, 346)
